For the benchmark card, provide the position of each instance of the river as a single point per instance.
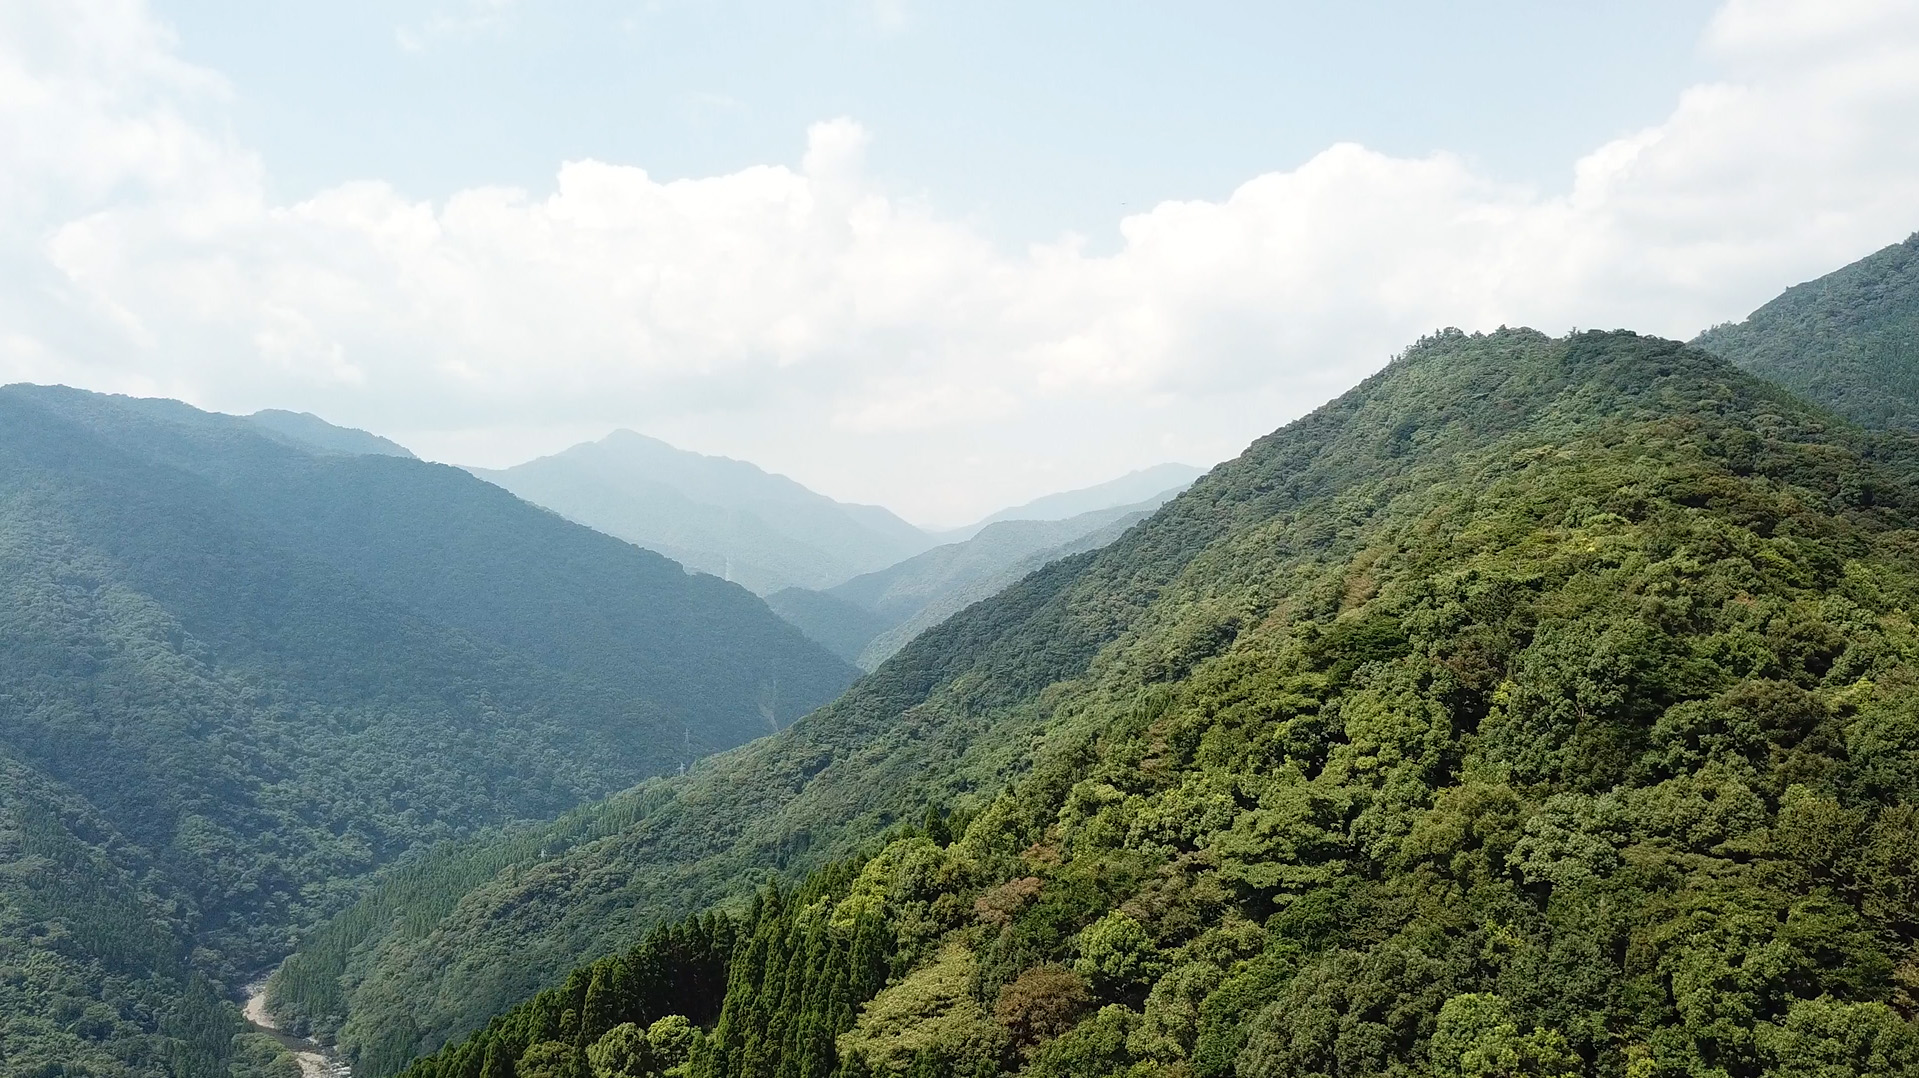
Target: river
(315, 1060)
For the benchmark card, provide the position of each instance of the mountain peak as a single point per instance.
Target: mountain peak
(713, 514)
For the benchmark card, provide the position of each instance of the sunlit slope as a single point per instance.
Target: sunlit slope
(1282, 534)
(1539, 708)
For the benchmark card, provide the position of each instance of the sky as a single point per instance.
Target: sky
(940, 257)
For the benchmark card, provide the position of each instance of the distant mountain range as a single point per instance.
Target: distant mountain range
(871, 616)
(1152, 484)
(713, 514)
(855, 578)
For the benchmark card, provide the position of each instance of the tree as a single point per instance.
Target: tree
(1117, 957)
(1477, 1038)
(1042, 1003)
(622, 1052)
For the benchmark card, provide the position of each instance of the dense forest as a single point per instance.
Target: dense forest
(240, 671)
(1540, 707)
(1849, 340)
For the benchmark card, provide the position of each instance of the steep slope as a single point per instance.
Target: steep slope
(712, 514)
(277, 670)
(1534, 684)
(1849, 340)
(904, 600)
(309, 431)
(94, 939)
(1146, 484)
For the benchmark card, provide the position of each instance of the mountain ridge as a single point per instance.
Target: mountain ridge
(1848, 340)
(312, 432)
(715, 515)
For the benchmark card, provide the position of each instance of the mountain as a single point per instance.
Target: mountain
(245, 675)
(871, 616)
(712, 514)
(1849, 340)
(1132, 488)
(1539, 707)
(310, 432)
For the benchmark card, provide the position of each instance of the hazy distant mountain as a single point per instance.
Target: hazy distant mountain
(1128, 489)
(1849, 340)
(713, 514)
(310, 432)
(872, 616)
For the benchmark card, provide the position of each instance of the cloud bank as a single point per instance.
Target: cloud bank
(799, 315)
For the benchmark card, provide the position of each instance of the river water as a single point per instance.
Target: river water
(315, 1060)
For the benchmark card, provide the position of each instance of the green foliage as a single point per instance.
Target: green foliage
(94, 977)
(1849, 340)
(1117, 957)
(1540, 707)
(1475, 1038)
(775, 989)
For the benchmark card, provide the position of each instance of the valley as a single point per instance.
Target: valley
(314, 1060)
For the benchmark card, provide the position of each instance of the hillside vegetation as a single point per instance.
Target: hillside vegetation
(1539, 707)
(1849, 340)
(237, 676)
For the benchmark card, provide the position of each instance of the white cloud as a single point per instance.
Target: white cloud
(803, 317)
(463, 19)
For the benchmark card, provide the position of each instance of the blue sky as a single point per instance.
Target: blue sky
(1032, 119)
(941, 257)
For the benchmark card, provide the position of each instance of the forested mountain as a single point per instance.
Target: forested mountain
(1849, 340)
(1539, 707)
(1146, 484)
(873, 615)
(712, 514)
(237, 675)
